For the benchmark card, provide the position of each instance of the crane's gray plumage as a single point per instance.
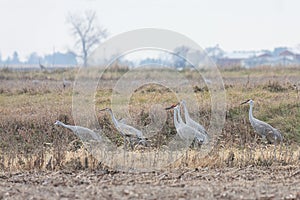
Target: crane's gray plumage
(83, 133)
(126, 130)
(262, 128)
(202, 133)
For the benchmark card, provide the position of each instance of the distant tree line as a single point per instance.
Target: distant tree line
(56, 58)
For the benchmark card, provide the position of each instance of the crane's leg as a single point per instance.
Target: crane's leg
(275, 151)
(280, 151)
(131, 144)
(262, 147)
(124, 152)
(193, 145)
(275, 144)
(186, 155)
(198, 144)
(125, 143)
(254, 147)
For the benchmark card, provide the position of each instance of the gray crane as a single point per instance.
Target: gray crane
(83, 133)
(127, 131)
(184, 131)
(190, 122)
(42, 66)
(66, 83)
(264, 130)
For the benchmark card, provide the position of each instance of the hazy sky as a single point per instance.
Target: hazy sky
(40, 26)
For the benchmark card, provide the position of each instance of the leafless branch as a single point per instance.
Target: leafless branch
(86, 32)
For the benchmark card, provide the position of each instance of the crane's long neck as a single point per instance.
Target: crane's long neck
(114, 119)
(72, 128)
(251, 113)
(186, 112)
(179, 116)
(176, 124)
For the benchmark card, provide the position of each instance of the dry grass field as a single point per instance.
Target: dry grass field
(39, 160)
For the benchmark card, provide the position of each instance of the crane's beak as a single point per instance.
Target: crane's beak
(171, 107)
(245, 102)
(104, 109)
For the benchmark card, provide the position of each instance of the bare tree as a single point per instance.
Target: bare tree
(87, 33)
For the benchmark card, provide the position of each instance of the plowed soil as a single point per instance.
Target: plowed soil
(275, 182)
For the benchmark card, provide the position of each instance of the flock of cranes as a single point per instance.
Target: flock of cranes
(188, 131)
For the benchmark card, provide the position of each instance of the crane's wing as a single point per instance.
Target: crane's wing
(267, 131)
(274, 136)
(197, 126)
(86, 134)
(186, 132)
(261, 127)
(130, 131)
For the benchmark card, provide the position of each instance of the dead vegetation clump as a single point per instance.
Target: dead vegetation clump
(274, 86)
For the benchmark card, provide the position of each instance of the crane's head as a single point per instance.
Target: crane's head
(57, 123)
(173, 106)
(250, 101)
(105, 109)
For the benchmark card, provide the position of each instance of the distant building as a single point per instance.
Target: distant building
(235, 58)
(229, 62)
(287, 53)
(280, 56)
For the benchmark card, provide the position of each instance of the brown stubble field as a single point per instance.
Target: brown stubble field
(40, 160)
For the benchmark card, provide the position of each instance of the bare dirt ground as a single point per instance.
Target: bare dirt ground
(276, 182)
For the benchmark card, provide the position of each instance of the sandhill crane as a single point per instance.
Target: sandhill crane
(184, 131)
(266, 131)
(127, 131)
(190, 122)
(66, 83)
(42, 66)
(83, 133)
